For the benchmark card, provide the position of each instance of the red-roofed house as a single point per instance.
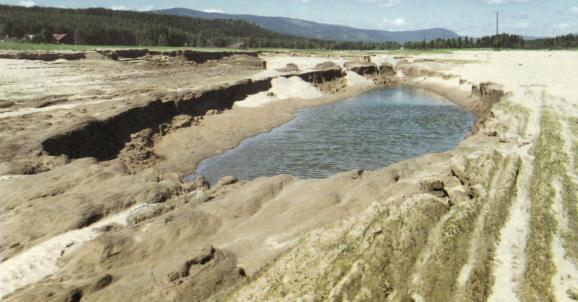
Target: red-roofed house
(58, 38)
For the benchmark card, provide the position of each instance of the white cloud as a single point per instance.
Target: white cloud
(212, 10)
(395, 23)
(398, 22)
(27, 3)
(382, 3)
(505, 1)
(574, 10)
(146, 8)
(119, 7)
(143, 8)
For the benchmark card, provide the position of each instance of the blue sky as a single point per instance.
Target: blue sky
(466, 17)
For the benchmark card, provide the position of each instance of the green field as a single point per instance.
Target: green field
(24, 46)
(51, 47)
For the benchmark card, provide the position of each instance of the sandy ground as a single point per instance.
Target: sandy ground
(41, 261)
(494, 219)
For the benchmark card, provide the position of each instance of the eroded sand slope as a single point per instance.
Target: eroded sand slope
(495, 219)
(512, 238)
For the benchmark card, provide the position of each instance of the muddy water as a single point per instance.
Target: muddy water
(365, 132)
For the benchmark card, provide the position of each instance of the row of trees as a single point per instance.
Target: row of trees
(99, 26)
(499, 41)
(559, 42)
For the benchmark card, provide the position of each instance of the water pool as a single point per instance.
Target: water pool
(369, 131)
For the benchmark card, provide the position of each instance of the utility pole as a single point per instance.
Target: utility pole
(497, 23)
(498, 29)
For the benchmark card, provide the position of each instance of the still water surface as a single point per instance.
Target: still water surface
(370, 131)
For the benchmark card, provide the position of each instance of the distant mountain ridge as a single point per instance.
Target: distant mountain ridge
(309, 29)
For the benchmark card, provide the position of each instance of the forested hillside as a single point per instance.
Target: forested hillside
(107, 27)
(99, 26)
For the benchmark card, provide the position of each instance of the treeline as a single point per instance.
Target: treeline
(99, 26)
(559, 42)
(500, 41)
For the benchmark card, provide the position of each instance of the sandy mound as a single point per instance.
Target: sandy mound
(282, 89)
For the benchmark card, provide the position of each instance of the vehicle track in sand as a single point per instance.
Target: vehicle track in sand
(509, 261)
(452, 236)
(564, 244)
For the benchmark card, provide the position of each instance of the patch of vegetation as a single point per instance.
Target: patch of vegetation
(570, 200)
(519, 116)
(451, 250)
(548, 164)
(483, 169)
(479, 284)
(458, 62)
(391, 248)
(571, 210)
(408, 52)
(14, 45)
(450, 253)
(27, 46)
(573, 122)
(371, 262)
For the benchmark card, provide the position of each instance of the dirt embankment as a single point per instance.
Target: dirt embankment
(362, 68)
(198, 57)
(43, 56)
(140, 126)
(68, 95)
(188, 55)
(104, 139)
(478, 98)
